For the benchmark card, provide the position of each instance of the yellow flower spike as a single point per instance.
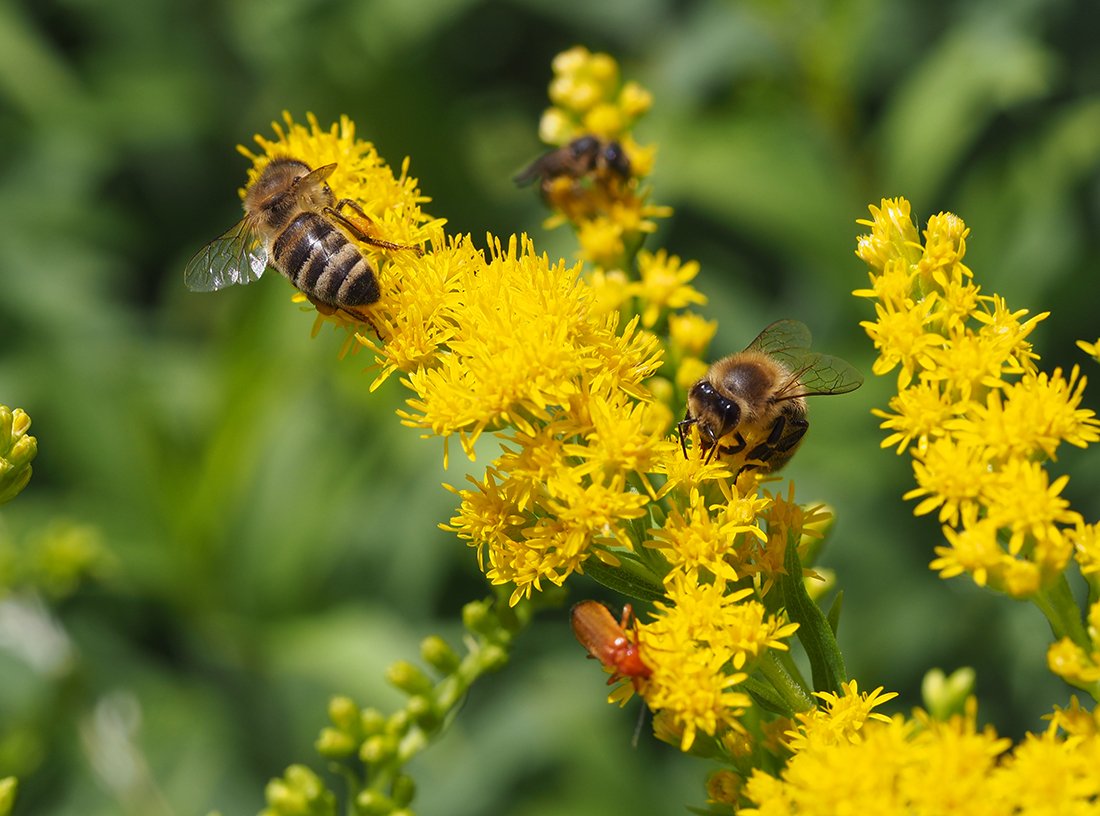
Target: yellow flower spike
(973, 549)
(696, 695)
(582, 79)
(1030, 418)
(601, 241)
(901, 338)
(1085, 539)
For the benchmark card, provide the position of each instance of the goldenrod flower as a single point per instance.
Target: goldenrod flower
(701, 537)
(690, 334)
(925, 766)
(1072, 663)
(553, 363)
(665, 284)
(978, 416)
(840, 719)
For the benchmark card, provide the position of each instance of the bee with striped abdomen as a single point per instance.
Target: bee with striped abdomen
(293, 222)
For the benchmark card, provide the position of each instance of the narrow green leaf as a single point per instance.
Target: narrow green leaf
(766, 696)
(814, 631)
(630, 578)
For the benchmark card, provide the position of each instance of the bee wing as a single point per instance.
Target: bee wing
(238, 256)
(535, 170)
(782, 337)
(821, 374)
(812, 374)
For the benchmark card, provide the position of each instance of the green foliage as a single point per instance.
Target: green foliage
(249, 531)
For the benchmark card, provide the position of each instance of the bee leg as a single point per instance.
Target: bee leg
(740, 446)
(785, 435)
(681, 428)
(358, 232)
(328, 309)
(714, 446)
(362, 318)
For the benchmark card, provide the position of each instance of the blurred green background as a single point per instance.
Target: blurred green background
(271, 526)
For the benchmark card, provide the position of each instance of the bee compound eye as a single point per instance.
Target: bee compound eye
(702, 389)
(731, 412)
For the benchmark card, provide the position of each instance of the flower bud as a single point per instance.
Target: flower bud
(335, 744)
(409, 678)
(404, 789)
(378, 749)
(344, 713)
(438, 654)
(372, 802)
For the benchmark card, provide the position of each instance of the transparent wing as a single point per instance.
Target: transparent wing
(788, 341)
(781, 336)
(821, 374)
(238, 256)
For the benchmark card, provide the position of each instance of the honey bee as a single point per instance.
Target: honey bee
(293, 221)
(608, 641)
(582, 157)
(759, 395)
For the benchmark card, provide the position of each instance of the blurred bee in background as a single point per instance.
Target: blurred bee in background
(759, 396)
(584, 156)
(583, 178)
(293, 221)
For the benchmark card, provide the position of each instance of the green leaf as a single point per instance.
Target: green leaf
(767, 697)
(630, 578)
(814, 630)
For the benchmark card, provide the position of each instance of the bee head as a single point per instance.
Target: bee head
(717, 415)
(614, 158)
(276, 179)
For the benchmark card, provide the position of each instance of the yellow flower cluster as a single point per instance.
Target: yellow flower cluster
(973, 410)
(849, 760)
(527, 361)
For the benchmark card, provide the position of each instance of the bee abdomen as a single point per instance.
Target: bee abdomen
(320, 260)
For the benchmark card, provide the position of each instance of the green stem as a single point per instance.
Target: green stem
(793, 694)
(1062, 612)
